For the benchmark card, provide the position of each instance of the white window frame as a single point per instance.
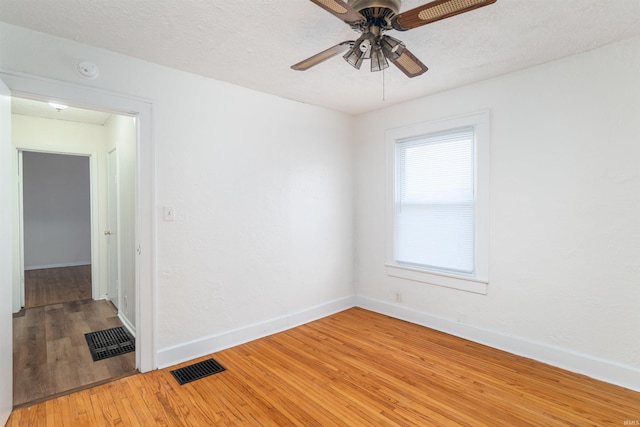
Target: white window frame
(479, 280)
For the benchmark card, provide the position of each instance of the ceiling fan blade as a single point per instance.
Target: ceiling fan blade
(340, 9)
(322, 56)
(409, 64)
(435, 11)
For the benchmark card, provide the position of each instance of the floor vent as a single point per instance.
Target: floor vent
(197, 371)
(110, 342)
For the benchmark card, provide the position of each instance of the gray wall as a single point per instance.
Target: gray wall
(57, 210)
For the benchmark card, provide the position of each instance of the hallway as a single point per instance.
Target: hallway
(55, 285)
(50, 353)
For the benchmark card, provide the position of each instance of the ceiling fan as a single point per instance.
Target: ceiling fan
(372, 18)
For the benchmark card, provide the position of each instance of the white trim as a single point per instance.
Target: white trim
(95, 225)
(94, 215)
(60, 265)
(7, 249)
(127, 324)
(601, 369)
(19, 296)
(194, 349)
(478, 282)
(39, 88)
(468, 284)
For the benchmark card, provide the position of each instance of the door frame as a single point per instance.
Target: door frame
(6, 256)
(95, 225)
(28, 86)
(118, 254)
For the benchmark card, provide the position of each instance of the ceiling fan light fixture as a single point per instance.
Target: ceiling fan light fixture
(378, 61)
(354, 57)
(360, 51)
(391, 47)
(365, 48)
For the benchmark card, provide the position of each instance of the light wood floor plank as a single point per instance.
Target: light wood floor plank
(100, 409)
(80, 408)
(355, 368)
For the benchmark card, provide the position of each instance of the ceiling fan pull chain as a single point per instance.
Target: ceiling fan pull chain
(383, 86)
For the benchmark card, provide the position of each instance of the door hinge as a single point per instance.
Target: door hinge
(139, 250)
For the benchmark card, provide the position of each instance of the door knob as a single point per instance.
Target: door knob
(107, 233)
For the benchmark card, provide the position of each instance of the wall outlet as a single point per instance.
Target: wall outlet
(398, 296)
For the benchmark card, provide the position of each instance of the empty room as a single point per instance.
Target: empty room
(342, 212)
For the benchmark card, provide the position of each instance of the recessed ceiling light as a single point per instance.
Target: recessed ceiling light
(58, 107)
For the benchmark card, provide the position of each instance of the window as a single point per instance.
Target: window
(437, 229)
(435, 202)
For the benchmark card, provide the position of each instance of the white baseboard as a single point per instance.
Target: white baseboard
(125, 321)
(188, 351)
(59, 265)
(127, 324)
(604, 370)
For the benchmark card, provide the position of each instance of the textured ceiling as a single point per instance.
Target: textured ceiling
(252, 43)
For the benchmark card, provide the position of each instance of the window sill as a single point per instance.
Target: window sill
(468, 284)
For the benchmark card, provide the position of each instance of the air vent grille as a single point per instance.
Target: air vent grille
(110, 342)
(197, 371)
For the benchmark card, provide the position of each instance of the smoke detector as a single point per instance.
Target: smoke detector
(87, 69)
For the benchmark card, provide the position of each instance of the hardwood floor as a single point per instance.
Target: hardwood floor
(55, 285)
(352, 368)
(50, 353)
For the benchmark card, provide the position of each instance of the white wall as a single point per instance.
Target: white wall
(565, 235)
(56, 210)
(262, 188)
(121, 135)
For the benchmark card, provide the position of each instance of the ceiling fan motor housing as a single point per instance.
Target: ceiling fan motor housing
(359, 5)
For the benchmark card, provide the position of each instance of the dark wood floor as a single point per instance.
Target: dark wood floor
(50, 353)
(55, 285)
(355, 368)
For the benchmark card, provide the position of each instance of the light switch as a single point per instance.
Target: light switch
(169, 213)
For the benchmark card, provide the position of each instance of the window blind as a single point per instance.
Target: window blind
(435, 201)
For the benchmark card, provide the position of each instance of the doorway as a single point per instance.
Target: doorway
(27, 86)
(56, 228)
(68, 226)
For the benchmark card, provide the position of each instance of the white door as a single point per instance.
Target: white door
(112, 232)
(6, 257)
